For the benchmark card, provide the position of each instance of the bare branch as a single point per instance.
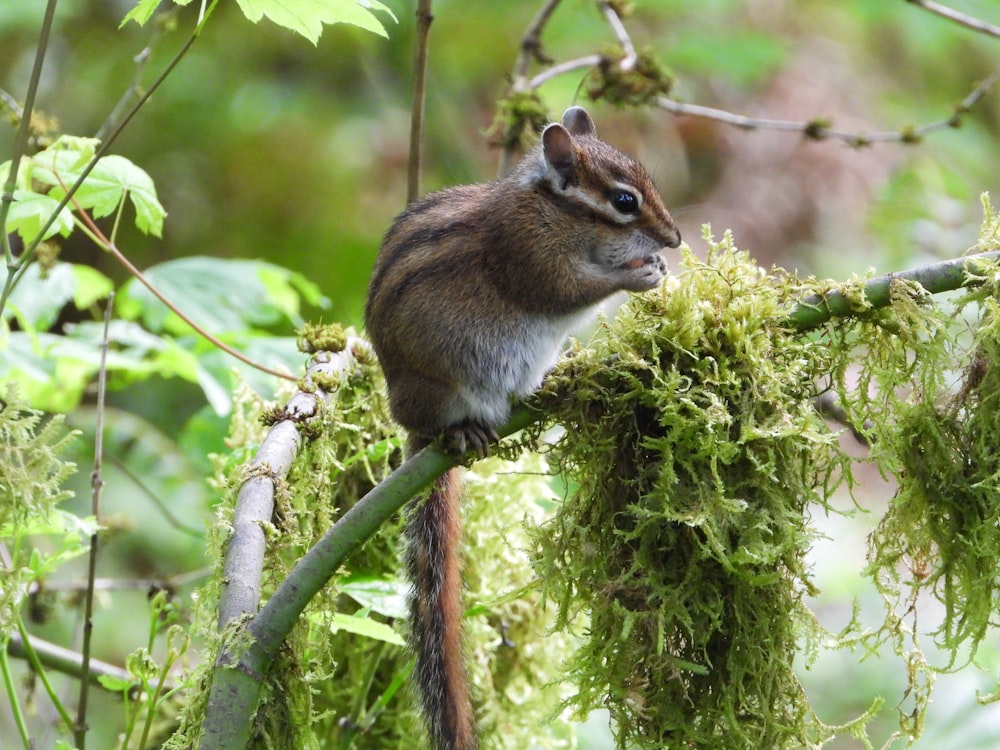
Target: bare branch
(818, 131)
(615, 22)
(65, 661)
(531, 42)
(562, 68)
(244, 561)
(969, 22)
(21, 140)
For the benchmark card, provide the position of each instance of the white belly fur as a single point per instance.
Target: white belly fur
(526, 355)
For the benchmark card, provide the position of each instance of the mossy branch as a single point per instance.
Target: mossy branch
(238, 678)
(940, 277)
(243, 662)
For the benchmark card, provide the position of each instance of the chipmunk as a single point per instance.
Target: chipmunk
(471, 299)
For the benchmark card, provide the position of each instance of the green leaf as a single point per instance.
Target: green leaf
(385, 596)
(307, 17)
(90, 285)
(111, 179)
(69, 153)
(141, 13)
(221, 295)
(38, 299)
(106, 186)
(30, 211)
(362, 625)
(115, 684)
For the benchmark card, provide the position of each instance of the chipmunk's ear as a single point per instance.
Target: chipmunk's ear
(560, 155)
(579, 122)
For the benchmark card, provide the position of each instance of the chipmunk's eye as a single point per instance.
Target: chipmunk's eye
(625, 202)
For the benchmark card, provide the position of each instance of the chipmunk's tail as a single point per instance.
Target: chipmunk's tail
(433, 532)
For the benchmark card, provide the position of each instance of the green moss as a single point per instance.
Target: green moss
(941, 534)
(695, 451)
(640, 85)
(32, 474)
(691, 436)
(520, 117)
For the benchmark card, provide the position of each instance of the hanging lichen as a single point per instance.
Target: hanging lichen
(941, 534)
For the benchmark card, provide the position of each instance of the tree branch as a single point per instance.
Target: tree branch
(817, 128)
(67, 662)
(21, 137)
(238, 678)
(962, 19)
(948, 275)
(531, 42)
(243, 565)
(97, 486)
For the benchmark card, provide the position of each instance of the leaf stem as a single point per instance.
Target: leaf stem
(39, 669)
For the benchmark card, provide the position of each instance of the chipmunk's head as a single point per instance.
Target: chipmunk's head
(611, 188)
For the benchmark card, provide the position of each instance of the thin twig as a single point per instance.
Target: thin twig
(421, 43)
(33, 657)
(970, 22)
(123, 584)
(21, 139)
(531, 41)
(615, 22)
(135, 88)
(817, 131)
(97, 485)
(829, 407)
(161, 506)
(15, 704)
(587, 61)
(11, 103)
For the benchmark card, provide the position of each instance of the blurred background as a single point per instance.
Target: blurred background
(264, 146)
